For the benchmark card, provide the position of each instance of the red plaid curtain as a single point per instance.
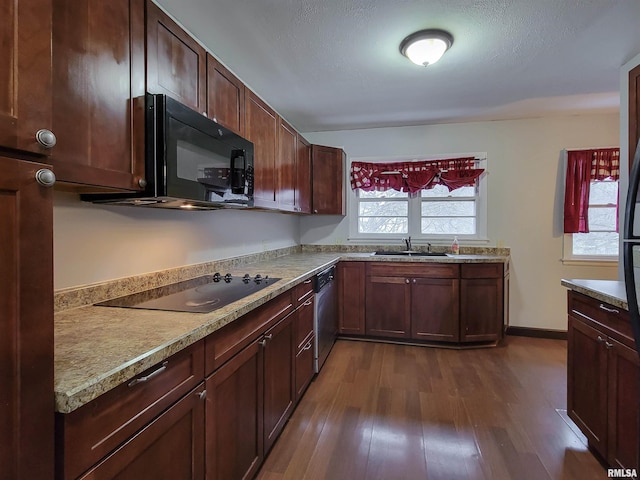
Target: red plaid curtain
(583, 167)
(414, 176)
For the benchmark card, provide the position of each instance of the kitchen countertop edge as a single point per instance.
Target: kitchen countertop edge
(609, 291)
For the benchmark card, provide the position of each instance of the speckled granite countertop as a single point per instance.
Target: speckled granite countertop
(98, 348)
(610, 291)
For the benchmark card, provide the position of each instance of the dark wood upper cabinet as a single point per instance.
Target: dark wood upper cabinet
(286, 166)
(634, 112)
(225, 96)
(25, 75)
(328, 196)
(262, 130)
(26, 322)
(303, 176)
(176, 63)
(98, 106)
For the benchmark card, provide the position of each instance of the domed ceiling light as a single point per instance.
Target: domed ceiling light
(426, 46)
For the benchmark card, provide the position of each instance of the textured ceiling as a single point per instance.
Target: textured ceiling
(334, 65)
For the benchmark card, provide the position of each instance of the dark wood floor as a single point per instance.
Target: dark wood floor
(382, 411)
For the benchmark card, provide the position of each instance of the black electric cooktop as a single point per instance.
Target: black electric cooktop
(199, 295)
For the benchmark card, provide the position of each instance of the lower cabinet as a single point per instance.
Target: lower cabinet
(170, 447)
(351, 298)
(434, 302)
(234, 427)
(603, 380)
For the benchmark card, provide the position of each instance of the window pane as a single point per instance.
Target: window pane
(449, 209)
(386, 194)
(595, 243)
(602, 219)
(603, 193)
(442, 191)
(383, 225)
(449, 226)
(389, 209)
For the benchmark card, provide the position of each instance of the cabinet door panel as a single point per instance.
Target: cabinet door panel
(286, 166)
(25, 75)
(434, 309)
(303, 176)
(388, 307)
(234, 426)
(170, 447)
(351, 297)
(97, 51)
(176, 63)
(327, 180)
(304, 367)
(587, 383)
(481, 305)
(624, 407)
(26, 322)
(225, 96)
(262, 128)
(279, 394)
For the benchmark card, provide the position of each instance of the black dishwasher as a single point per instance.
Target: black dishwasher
(326, 315)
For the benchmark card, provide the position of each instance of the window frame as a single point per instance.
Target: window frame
(415, 204)
(569, 258)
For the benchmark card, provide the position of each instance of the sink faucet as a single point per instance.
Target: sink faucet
(407, 242)
(428, 248)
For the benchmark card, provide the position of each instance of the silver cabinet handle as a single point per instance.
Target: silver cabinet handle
(307, 346)
(268, 337)
(155, 373)
(414, 280)
(202, 395)
(608, 344)
(600, 339)
(142, 182)
(263, 342)
(406, 280)
(307, 303)
(46, 138)
(610, 310)
(307, 282)
(45, 177)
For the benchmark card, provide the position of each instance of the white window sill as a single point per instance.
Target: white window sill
(591, 262)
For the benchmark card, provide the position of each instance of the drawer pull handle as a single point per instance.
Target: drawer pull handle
(307, 282)
(608, 344)
(600, 339)
(202, 395)
(607, 309)
(268, 337)
(307, 303)
(263, 342)
(155, 373)
(307, 346)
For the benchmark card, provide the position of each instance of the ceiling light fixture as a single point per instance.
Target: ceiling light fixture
(426, 46)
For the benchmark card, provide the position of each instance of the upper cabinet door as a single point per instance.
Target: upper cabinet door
(286, 166)
(225, 96)
(262, 130)
(98, 80)
(328, 182)
(25, 73)
(176, 63)
(303, 176)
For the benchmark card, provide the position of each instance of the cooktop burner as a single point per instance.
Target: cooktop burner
(199, 295)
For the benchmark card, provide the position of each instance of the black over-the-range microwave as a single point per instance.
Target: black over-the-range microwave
(191, 162)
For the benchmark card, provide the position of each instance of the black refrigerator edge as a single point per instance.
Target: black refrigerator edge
(631, 246)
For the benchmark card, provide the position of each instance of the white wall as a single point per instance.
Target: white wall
(525, 195)
(94, 243)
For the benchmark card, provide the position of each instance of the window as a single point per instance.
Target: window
(602, 240)
(431, 213)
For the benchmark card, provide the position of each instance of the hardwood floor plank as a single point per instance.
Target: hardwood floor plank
(386, 411)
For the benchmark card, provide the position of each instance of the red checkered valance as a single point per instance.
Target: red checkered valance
(414, 176)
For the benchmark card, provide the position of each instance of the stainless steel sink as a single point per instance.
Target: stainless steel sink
(410, 253)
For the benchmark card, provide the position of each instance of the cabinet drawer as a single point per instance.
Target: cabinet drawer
(304, 321)
(302, 292)
(482, 270)
(86, 435)
(613, 321)
(220, 346)
(434, 270)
